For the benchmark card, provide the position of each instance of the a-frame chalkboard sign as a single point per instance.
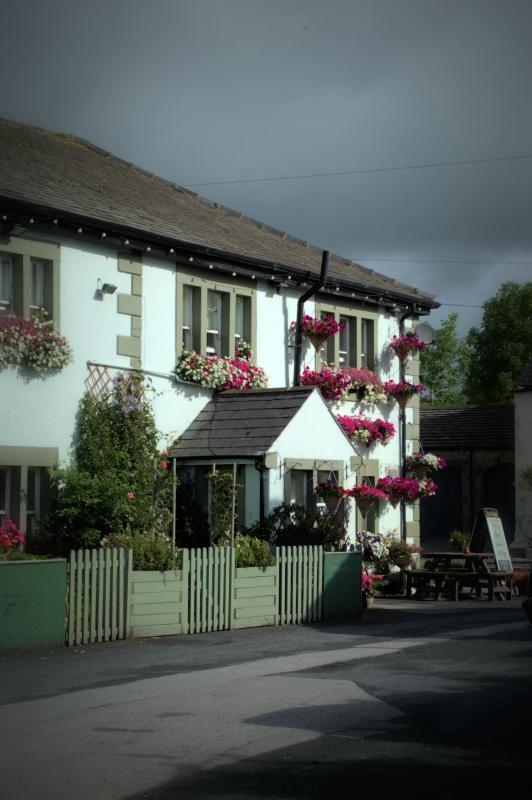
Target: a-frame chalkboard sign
(488, 534)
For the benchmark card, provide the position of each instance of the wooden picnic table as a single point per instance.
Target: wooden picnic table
(448, 574)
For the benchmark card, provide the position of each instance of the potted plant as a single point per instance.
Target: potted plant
(402, 391)
(404, 346)
(365, 497)
(318, 330)
(459, 541)
(421, 463)
(331, 494)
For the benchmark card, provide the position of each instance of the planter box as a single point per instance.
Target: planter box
(32, 604)
(159, 603)
(255, 597)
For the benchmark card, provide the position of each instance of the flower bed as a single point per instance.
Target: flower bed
(11, 538)
(410, 343)
(32, 343)
(367, 431)
(217, 372)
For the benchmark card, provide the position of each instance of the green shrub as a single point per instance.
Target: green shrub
(458, 541)
(252, 552)
(150, 552)
(293, 524)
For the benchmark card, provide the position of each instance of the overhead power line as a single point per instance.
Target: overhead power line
(441, 261)
(430, 165)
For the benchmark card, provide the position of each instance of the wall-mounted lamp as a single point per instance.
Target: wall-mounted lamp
(103, 288)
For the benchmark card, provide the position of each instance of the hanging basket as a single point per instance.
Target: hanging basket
(394, 499)
(317, 341)
(420, 471)
(364, 504)
(332, 502)
(403, 356)
(402, 400)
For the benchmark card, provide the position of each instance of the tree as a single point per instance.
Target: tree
(442, 364)
(502, 347)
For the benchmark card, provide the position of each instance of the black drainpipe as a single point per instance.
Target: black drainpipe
(402, 427)
(300, 303)
(261, 467)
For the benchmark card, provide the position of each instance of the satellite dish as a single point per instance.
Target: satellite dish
(425, 332)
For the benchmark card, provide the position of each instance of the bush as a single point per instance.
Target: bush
(293, 524)
(150, 552)
(252, 552)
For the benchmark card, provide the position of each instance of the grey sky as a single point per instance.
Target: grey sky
(220, 90)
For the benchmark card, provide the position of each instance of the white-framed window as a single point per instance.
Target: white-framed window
(191, 321)
(29, 276)
(5, 474)
(214, 323)
(213, 317)
(367, 343)
(355, 345)
(301, 483)
(6, 283)
(347, 341)
(33, 498)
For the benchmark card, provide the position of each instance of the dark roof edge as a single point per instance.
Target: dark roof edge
(115, 230)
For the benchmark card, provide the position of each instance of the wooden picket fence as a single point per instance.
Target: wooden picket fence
(98, 595)
(108, 601)
(209, 595)
(300, 584)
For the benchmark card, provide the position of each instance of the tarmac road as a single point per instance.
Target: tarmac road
(425, 699)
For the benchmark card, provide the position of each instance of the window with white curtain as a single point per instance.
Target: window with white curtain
(214, 323)
(6, 283)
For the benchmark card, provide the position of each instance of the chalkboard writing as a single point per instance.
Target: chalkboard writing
(488, 531)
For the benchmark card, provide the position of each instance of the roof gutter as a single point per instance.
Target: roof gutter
(18, 211)
(300, 303)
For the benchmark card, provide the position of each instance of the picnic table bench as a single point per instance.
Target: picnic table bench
(448, 574)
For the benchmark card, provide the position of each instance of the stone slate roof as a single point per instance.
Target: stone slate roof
(525, 380)
(478, 427)
(240, 424)
(61, 173)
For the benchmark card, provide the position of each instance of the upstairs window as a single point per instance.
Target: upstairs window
(347, 342)
(214, 323)
(367, 344)
(6, 283)
(213, 318)
(28, 282)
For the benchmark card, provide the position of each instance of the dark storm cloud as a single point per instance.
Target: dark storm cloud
(212, 91)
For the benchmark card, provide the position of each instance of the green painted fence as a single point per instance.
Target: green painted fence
(209, 593)
(159, 601)
(300, 584)
(108, 600)
(99, 584)
(255, 596)
(32, 604)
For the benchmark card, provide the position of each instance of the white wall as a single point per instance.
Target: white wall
(158, 315)
(41, 412)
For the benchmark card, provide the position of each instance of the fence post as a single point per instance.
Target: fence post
(185, 577)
